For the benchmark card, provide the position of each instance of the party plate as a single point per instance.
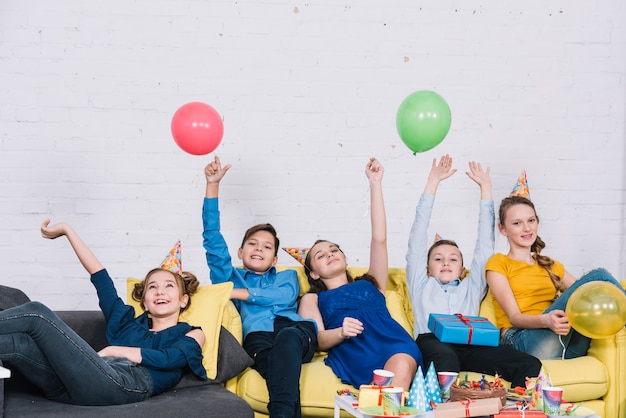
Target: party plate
(581, 411)
(514, 396)
(378, 412)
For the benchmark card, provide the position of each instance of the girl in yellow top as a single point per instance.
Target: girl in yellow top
(526, 286)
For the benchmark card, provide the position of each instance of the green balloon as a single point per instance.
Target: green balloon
(423, 120)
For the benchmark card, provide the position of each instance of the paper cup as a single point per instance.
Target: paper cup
(392, 400)
(552, 397)
(446, 379)
(382, 377)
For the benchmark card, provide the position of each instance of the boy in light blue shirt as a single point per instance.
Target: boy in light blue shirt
(437, 284)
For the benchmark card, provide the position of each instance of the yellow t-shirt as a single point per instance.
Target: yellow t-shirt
(530, 283)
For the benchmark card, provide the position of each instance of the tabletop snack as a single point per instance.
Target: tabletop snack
(468, 389)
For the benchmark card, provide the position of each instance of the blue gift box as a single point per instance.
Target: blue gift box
(459, 329)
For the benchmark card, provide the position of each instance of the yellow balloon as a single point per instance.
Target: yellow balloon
(597, 309)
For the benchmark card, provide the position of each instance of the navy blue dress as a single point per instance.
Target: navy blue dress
(355, 359)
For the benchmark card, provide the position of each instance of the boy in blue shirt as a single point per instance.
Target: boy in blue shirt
(275, 336)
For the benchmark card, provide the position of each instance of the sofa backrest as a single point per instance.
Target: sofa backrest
(397, 294)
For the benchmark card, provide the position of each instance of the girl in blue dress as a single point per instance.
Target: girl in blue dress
(354, 324)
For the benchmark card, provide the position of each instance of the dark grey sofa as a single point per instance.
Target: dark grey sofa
(190, 398)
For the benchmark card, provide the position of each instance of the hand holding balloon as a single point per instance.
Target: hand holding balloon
(558, 322)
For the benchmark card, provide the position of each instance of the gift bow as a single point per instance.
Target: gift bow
(466, 404)
(466, 321)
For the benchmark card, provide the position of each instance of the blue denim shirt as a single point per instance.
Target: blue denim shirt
(272, 293)
(428, 294)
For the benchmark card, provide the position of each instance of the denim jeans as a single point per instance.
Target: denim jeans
(35, 343)
(543, 343)
(278, 357)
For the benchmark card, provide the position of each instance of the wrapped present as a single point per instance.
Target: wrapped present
(459, 329)
(469, 408)
(370, 395)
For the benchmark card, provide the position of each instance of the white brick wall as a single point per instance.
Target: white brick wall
(308, 91)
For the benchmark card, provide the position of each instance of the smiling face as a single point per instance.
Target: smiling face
(163, 294)
(445, 263)
(325, 259)
(519, 224)
(258, 252)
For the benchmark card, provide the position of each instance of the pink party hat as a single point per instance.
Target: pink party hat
(521, 187)
(173, 261)
(299, 253)
(437, 238)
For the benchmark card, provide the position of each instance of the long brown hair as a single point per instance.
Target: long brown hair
(543, 260)
(317, 286)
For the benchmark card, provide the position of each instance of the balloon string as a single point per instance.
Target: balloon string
(564, 348)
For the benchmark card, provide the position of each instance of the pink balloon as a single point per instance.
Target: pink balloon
(197, 128)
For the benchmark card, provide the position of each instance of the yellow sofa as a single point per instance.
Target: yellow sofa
(598, 379)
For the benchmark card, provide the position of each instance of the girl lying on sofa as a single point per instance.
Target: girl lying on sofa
(147, 355)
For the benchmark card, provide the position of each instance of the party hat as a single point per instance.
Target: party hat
(173, 262)
(536, 400)
(521, 187)
(299, 253)
(432, 385)
(437, 238)
(417, 395)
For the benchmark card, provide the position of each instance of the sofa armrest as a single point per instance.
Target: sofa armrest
(232, 322)
(612, 353)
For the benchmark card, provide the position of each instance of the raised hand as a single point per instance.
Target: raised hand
(439, 171)
(480, 177)
(53, 231)
(214, 172)
(374, 170)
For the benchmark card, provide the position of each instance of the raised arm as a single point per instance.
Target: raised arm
(417, 253)
(379, 259)
(485, 239)
(84, 254)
